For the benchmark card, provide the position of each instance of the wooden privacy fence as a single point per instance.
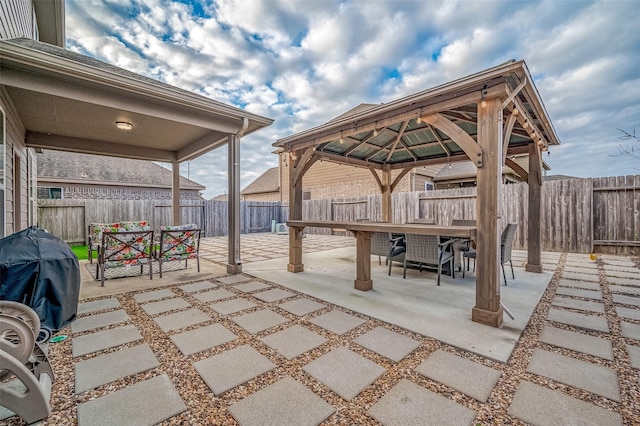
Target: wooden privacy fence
(578, 215)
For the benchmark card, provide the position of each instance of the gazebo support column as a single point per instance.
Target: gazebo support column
(175, 193)
(487, 309)
(534, 263)
(233, 163)
(295, 213)
(386, 196)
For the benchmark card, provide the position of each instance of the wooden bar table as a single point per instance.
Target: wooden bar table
(362, 232)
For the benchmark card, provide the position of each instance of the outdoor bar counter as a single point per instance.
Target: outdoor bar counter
(362, 231)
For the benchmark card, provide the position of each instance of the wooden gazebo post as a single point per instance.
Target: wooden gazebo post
(534, 263)
(488, 309)
(295, 212)
(386, 195)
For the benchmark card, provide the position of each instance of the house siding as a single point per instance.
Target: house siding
(263, 196)
(17, 19)
(94, 192)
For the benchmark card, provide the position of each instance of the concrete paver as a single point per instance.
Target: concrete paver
(577, 292)
(251, 286)
(344, 371)
(286, 402)
(626, 300)
(145, 404)
(273, 295)
(232, 306)
(233, 279)
(198, 286)
(630, 330)
(107, 368)
(578, 342)
(388, 343)
(538, 405)
(232, 368)
(574, 372)
(337, 321)
(293, 341)
(589, 285)
(301, 307)
(628, 273)
(584, 305)
(589, 322)
(634, 355)
(629, 281)
(213, 295)
(99, 320)
(166, 305)
(98, 305)
(580, 276)
(101, 340)
(181, 319)
(626, 289)
(199, 339)
(628, 313)
(258, 321)
(463, 375)
(408, 404)
(148, 296)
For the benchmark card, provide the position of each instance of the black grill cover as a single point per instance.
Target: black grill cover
(40, 271)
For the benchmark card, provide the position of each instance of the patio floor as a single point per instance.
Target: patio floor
(271, 347)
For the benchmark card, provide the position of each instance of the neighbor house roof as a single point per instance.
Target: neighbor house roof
(267, 182)
(67, 167)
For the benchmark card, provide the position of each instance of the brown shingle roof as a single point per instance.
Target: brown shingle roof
(60, 166)
(267, 182)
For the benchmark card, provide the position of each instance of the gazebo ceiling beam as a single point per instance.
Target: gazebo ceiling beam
(337, 158)
(528, 123)
(439, 139)
(395, 143)
(430, 161)
(459, 136)
(390, 118)
(506, 135)
(524, 175)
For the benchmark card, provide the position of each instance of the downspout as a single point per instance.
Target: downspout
(235, 265)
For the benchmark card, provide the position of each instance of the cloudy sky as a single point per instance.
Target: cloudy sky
(305, 62)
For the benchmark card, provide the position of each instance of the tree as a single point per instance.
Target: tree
(630, 149)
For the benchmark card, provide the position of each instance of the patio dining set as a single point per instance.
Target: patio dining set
(128, 244)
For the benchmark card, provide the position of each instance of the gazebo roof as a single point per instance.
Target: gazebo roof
(433, 126)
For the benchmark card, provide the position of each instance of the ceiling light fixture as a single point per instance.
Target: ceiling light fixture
(341, 139)
(419, 119)
(123, 125)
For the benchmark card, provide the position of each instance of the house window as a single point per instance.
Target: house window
(50, 193)
(428, 186)
(306, 195)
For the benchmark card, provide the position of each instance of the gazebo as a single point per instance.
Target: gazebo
(486, 117)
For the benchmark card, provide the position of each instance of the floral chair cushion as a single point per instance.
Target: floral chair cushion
(179, 242)
(127, 243)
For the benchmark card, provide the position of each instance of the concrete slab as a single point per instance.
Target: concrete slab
(258, 321)
(625, 289)
(583, 305)
(344, 372)
(581, 276)
(101, 340)
(107, 368)
(293, 341)
(286, 402)
(232, 368)
(578, 342)
(146, 403)
(588, 322)
(199, 286)
(273, 295)
(578, 292)
(213, 295)
(199, 339)
(153, 295)
(628, 313)
(617, 261)
(414, 303)
(408, 404)
(589, 285)
(99, 320)
(301, 306)
(630, 330)
(463, 375)
(97, 305)
(337, 321)
(634, 355)
(538, 405)
(593, 378)
(181, 319)
(167, 305)
(251, 286)
(626, 300)
(624, 273)
(388, 343)
(233, 279)
(232, 306)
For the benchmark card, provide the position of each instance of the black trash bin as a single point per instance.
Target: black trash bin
(42, 272)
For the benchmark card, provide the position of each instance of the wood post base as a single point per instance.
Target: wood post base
(234, 269)
(533, 268)
(299, 267)
(483, 316)
(363, 285)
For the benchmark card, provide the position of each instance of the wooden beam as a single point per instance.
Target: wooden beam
(506, 135)
(534, 255)
(395, 143)
(516, 168)
(377, 178)
(459, 136)
(514, 93)
(335, 158)
(439, 139)
(386, 195)
(488, 309)
(402, 174)
(430, 161)
(303, 165)
(295, 213)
